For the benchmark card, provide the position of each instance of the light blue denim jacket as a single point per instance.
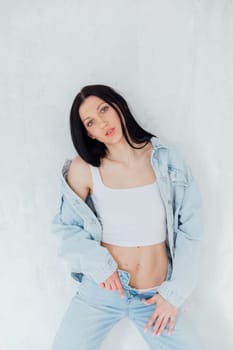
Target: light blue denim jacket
(79, 229)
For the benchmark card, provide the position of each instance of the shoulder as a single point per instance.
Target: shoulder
(177, 163)
(176, 160)
(169, 151)
(175, 157)
(79, 177)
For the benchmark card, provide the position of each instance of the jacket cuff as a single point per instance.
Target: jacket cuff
(170, 295)
(100, 274)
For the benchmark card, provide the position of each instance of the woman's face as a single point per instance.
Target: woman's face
(98, 117)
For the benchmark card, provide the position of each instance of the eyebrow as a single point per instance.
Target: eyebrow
(96, 109)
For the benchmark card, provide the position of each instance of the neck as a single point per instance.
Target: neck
(122, 152)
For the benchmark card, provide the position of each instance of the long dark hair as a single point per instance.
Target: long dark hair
(92, 150)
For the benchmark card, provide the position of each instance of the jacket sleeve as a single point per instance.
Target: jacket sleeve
(78, 247)
(188, 244)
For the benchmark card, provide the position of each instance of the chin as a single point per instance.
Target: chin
(115, 139)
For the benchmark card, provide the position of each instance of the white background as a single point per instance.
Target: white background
(172, 61)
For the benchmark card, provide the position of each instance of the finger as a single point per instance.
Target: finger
(113, 285)
(102, 285)
(160, 329)
(149, 301)
(171, 326)
(157, 324)
(150, 322)
(108, 286)
(119, 287)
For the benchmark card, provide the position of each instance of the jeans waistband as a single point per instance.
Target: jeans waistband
(125, 278)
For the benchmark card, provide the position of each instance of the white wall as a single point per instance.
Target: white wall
(172, 61)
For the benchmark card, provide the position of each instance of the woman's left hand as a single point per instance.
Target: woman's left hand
(163, 312)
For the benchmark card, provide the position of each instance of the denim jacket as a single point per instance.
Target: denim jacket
(79, 229)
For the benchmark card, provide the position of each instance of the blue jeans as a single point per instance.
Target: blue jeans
(93, 312)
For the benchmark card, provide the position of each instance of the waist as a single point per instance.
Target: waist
(147, 265)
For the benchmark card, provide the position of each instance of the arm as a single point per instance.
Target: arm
(187, 247)
(81, 251)
(77, 245)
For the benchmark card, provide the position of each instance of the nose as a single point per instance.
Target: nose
(103, 123)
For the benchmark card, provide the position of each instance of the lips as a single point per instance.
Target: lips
(109, 131)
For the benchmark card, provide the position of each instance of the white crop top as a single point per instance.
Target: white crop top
(130, 216)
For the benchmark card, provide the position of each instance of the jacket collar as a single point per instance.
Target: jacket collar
(158, 143)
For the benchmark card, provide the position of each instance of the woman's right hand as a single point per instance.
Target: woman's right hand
(113, 283)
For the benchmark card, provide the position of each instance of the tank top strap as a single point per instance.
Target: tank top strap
(96, 179)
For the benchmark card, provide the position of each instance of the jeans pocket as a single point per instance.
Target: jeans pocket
(87, 289)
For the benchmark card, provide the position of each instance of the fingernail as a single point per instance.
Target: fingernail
(157, 334)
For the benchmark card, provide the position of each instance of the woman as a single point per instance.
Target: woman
(130, 226)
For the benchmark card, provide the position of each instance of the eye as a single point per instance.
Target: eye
(90, 121)
(104, 108)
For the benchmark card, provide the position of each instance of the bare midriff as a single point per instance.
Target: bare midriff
(147, 265)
